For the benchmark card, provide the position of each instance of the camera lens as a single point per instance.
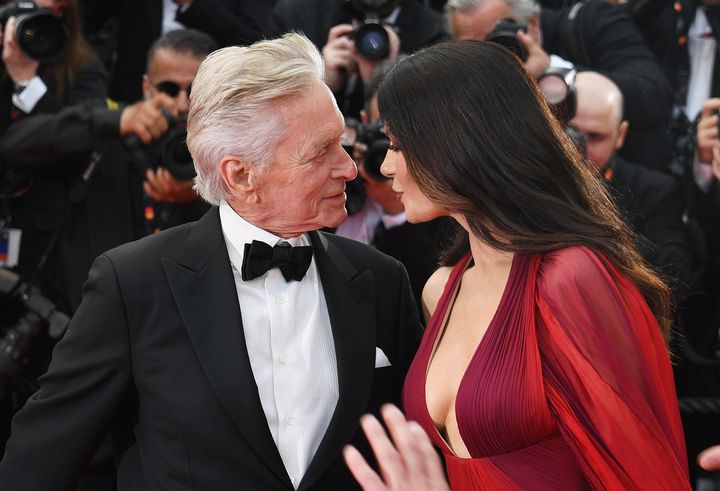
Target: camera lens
(373, 42)
(41, 36)
(175, 156)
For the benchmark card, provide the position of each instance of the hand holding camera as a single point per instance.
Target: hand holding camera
(19, 66)
(146, 119)
(350, 51)
(707, 130)
(339, 56)
(162, 186)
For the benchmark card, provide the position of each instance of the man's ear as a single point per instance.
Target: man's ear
(239, 178)
(622, 132)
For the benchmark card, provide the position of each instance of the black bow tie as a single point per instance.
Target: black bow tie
(260, 258)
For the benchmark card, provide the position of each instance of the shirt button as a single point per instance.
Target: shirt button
(282, 360)
(280, 299)
(292, 480)
(289, 421)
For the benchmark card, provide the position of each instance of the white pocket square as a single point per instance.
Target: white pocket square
(380, 359)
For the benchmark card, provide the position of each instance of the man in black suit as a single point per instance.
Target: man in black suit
(593, 35)
(219, 361)
(651, 201)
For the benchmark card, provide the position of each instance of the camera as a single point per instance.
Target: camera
(374, 137)
(372, 40)
(505, 34)
(557, 85)
(169, 151)
(25, 314)
(41, 35)
(376, 141)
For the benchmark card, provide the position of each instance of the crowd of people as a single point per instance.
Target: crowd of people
(540, 178)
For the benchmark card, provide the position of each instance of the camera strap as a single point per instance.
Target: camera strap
(77, 194)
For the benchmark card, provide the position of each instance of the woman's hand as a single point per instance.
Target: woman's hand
(410, 464)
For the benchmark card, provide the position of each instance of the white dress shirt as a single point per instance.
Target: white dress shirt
(361, 225)
(290, 345)
(702, 49)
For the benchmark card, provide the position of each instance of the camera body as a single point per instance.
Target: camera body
(169, 151)
(26, 313)
(505, 34)
(41, 35)
(374, 137)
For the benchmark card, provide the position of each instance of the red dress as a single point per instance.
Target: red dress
(570, 388)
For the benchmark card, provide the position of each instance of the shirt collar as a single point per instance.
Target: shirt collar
(238, 232)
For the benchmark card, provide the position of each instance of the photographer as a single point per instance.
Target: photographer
(113, 206)
(593, 35)
(355, 35)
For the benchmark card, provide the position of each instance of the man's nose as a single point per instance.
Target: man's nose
(346, 166)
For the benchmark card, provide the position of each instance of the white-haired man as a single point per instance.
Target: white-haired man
(238, 352)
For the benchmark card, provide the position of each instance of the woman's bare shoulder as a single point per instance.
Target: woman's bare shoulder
(433, 290)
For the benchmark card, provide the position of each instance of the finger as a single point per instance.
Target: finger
(432, 466)
(391, 463)
(404, 440)
(711, 106)
(525, 40)
(361, 471)
(339, 30)
(147, 187)
(710, 458)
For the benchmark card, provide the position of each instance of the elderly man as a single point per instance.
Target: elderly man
(237, 352)
(593, 35)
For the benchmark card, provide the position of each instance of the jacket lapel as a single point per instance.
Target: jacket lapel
(203, 287)
(349, 295)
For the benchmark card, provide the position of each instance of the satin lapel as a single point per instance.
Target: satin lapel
(203, 287)
(350, 298)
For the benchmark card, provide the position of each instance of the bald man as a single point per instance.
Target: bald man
(651, 201)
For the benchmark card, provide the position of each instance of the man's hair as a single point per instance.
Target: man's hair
(185, 41)
(233, 104)
(523, 10)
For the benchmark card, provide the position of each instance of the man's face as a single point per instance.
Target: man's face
(172, 73)
(478, 23)
(603, 132)
(304, 187)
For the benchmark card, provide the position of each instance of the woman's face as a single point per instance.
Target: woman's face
(418, 207)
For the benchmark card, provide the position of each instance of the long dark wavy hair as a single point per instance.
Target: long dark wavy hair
(479, 140)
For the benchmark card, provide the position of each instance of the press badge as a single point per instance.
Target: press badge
(9, 246)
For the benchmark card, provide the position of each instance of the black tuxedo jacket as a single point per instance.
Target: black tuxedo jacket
(156, 353)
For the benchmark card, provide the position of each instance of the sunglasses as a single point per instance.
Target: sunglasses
(171, 88)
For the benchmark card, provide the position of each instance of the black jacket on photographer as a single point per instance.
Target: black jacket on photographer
(603, 38)
(43, 155)
(418, 26)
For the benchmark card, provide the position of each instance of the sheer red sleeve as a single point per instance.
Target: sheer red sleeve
(607, 375)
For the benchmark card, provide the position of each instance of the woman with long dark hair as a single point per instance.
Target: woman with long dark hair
(544, 364)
